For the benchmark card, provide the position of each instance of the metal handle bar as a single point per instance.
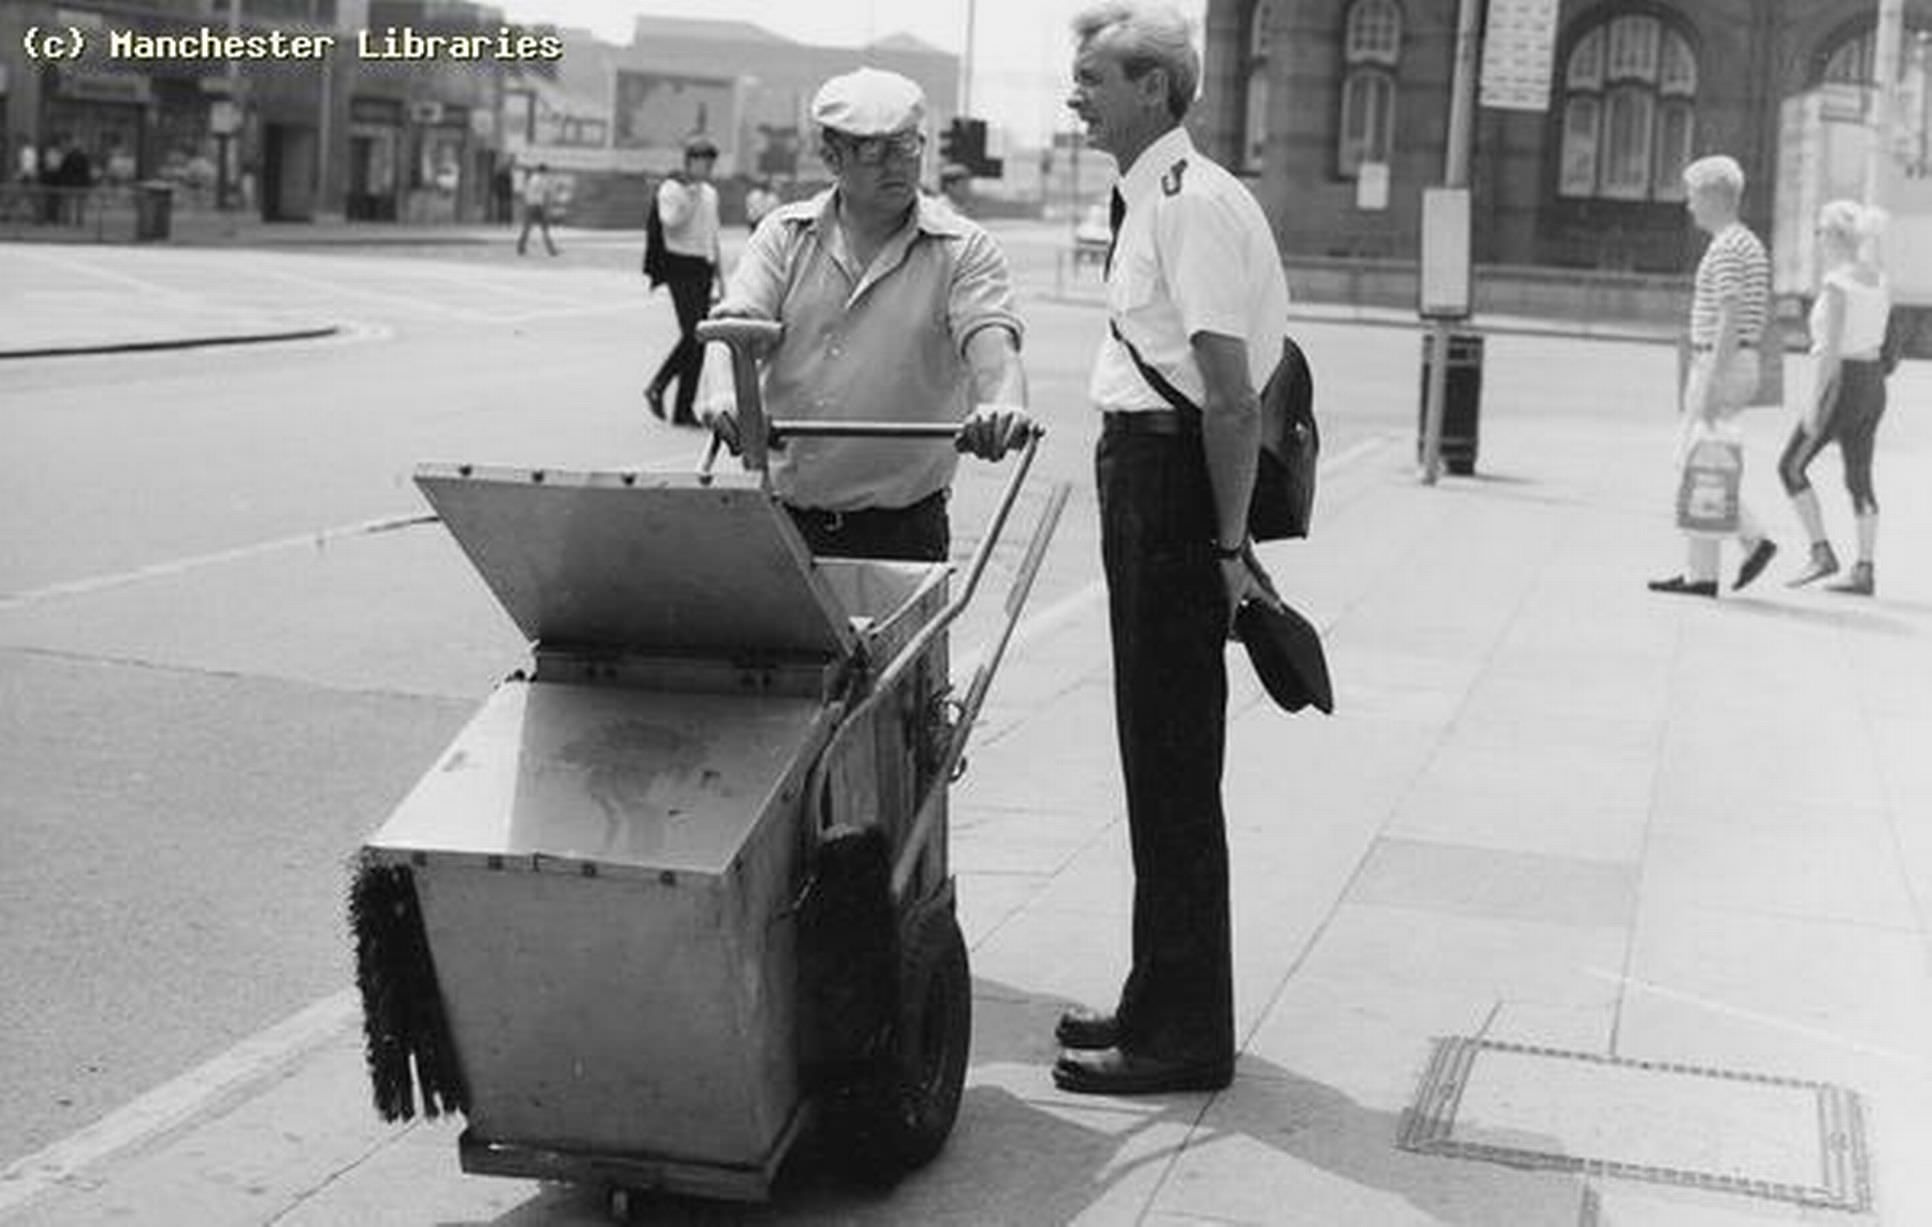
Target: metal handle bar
(887, 678)
(926, 817)
(882, 430)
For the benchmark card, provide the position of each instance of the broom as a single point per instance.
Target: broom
(403, 1023)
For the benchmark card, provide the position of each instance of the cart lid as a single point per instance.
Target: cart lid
(654, 562)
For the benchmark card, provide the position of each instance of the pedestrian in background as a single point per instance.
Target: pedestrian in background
(1730, 306)
(895, 309)
(759, 202)
(1198, 304)
(503, 194)
(687, 210)
(1848, 392)
(539, 193)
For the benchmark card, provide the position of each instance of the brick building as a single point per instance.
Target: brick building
(1301, 93)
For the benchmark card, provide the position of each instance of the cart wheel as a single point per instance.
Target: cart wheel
(931, 1041)
(895, 1116)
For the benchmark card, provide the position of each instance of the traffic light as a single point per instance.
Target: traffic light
(952, 142)
(964, 142)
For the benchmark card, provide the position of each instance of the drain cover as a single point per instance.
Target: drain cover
(1778, 1138)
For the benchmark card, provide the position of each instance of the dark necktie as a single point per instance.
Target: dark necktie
(1116, 213)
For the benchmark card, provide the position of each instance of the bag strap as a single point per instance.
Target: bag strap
(1155, 380)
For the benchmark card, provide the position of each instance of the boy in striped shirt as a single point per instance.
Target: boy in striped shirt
(1730, 305)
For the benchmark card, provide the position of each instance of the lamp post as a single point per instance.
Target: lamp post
(1455, 175)
(1885, 59)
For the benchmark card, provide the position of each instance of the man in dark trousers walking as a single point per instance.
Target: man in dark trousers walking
(1197, 307)
(687, 209)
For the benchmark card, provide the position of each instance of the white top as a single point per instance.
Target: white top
(689, 212)
(1195, 254)
(1867, 306)
(536, 189)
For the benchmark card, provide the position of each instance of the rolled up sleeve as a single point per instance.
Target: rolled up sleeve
(757, 283)
(981, 293)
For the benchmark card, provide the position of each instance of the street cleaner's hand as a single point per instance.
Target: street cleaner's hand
(1244, 579)
(991, 431)
(724, 424)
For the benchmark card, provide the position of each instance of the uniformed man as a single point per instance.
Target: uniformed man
(1198, 307)
(895, 309)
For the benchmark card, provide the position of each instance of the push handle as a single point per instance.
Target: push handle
(746, 338)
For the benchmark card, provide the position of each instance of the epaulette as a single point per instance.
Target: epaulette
(1171, 181)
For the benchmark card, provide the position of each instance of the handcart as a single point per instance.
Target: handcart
(678, 892)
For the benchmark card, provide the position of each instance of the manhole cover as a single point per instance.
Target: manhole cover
(1779, 1138)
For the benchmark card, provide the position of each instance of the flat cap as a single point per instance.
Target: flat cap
(869, 102)
(1286, 651)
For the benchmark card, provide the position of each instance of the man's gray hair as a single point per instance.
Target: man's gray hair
(1716, 171)
(1146, 37)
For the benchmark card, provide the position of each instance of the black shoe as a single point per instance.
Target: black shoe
(1086, 1030)
(654, 396)
(1685, 587)
(1755, 562)
(1111, 1071)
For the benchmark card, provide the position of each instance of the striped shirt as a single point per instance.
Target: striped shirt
(1734, 269)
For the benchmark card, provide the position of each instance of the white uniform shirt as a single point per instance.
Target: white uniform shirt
(1195, 254)
(689, 212)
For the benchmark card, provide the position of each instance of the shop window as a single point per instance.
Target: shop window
(1629, 111)
(1371, 51)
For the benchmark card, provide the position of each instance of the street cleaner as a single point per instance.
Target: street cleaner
(895, 309)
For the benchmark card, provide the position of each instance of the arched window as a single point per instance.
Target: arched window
(1848, 61)
(1255, 125)
(1629, 111)
(1371, 50)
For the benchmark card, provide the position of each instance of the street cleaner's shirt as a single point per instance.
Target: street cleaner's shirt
(1194, 254)
(1734, 268)
(879, 344)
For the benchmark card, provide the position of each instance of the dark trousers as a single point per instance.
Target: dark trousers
(1851, 421)
(538, 216)
(1167, 611)
(690, 281)
(920, 533)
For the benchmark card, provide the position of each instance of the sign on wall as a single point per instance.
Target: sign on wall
(1445, 252)
(1519, 45)
(656, 111)
(1372, 186)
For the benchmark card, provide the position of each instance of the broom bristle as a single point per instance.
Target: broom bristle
(405, 1031)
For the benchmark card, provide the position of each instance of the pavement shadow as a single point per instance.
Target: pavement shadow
(1023, 1152)
(1850, 617)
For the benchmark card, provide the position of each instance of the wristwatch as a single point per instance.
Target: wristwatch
(1228, 553)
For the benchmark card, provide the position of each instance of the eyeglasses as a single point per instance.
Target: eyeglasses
(872, 150)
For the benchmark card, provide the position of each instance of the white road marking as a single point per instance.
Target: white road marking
(89, 268)
(173, 1103)
(176, 566)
